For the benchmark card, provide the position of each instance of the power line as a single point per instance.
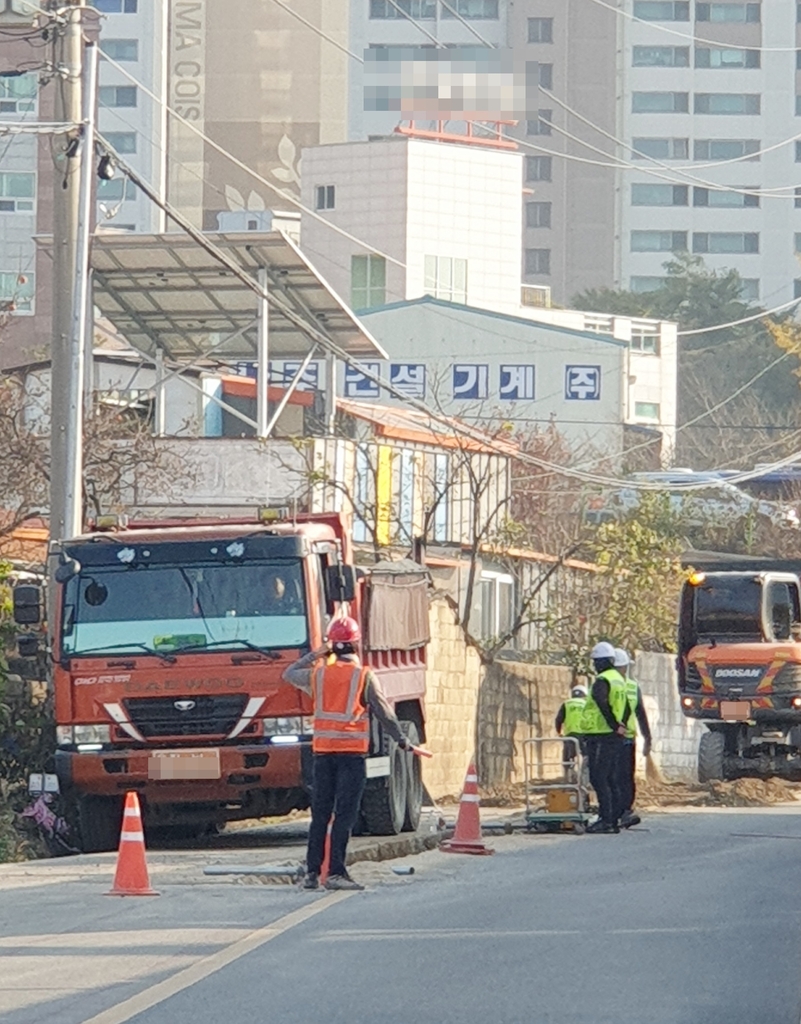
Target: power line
(744, 320)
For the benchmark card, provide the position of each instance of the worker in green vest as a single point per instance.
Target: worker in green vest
(568, 725)
(604, 723)
(638, 720)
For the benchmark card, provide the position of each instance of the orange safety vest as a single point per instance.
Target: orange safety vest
(341, 722)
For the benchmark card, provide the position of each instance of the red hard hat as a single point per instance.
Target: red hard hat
(344, 631)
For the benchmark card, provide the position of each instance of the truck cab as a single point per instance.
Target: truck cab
(739, 671)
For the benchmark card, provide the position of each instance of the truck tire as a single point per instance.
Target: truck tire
(99, 823)
(383, 810)
(710, 756)
(414, 781)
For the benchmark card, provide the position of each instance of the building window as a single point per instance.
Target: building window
(661, 57)
(496, 592)
(324, 197)
(439, 499)
(797, 200)
(725, 149)
(475, 10)
(658, 241)
(797, 248)
(660, 102)
(653, 10)
(18, 94)
(115, 6)
(719, 58)
(538, 261)
(661, 149)
(646, 284)
(727, 103)
(17, 192)
(123, 142)
(727, 12)
(721, 197)
(538, 215)
(749, 289)
(546, 76)
(798, 105)
(797, 288)
(117, 95)
(123, 50)
(659, 195)
(422, 9)
(368, 281)
(445, 277)
(540, 30)
(647, 344)
(116, 190)
(16, 292)
(542, 125)
(725, 242)
(539, 168)
(646, 410)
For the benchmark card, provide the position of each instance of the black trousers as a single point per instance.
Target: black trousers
(337, 787)
(605, 755)
(628, 766)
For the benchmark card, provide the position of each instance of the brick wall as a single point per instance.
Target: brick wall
(675, 737)
(452, 688)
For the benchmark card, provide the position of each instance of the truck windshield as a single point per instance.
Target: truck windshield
(730, 607)
(170, 607)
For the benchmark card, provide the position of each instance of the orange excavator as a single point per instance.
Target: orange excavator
(739, 670)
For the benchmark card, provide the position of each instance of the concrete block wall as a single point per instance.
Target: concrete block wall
(452, 689)
(675, 737)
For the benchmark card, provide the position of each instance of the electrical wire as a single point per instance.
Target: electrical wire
(318, 31)
(743, 320)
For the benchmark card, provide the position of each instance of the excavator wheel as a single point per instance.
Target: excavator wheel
(711, 751)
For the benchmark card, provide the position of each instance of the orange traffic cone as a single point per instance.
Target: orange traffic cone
(467, 835)
(131, 877)
(325, 868)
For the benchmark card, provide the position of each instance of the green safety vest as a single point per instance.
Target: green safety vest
(632, 695)
(574, 709)
(593, 722)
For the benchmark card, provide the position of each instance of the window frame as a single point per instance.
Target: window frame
(372, 261)
(541, 23)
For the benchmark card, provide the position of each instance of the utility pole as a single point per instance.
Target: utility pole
(66, 424)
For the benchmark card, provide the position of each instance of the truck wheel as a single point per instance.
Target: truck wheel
(710, 756)
(99, 823)
(414, 781)
(384, 801)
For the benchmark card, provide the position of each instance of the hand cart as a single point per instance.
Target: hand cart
(556, 785)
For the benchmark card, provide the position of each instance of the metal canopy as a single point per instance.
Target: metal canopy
(166, 292)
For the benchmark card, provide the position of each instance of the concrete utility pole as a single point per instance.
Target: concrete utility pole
(66, 399)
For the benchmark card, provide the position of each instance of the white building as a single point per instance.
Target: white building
(133, 33)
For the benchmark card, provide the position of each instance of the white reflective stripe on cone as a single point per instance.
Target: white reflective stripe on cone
(471, 778)
(132, 837)
(470, 798)
(132, 812)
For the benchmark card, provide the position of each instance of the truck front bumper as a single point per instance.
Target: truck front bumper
(242, 769)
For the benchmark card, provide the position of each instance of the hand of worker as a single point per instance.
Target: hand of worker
(322, 651)
(404, 743)
(646, 748)
(621, 730)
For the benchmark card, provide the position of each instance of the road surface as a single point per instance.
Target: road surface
(688, 922)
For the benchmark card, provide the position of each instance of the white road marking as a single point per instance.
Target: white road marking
(482, 933)
(184, 979)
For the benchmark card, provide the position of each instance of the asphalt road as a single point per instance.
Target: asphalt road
(684, 923)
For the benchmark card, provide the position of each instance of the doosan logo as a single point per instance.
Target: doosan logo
(738, 673)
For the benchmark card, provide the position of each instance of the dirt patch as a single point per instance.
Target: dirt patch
(656, 792)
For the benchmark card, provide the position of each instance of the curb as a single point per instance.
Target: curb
(391, 847)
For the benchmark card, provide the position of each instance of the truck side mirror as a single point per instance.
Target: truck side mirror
(69, 567)
(340, 583)
(27, 604)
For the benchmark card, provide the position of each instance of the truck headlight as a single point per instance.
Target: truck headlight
(63, 735)
(282, 726)
(92, 733)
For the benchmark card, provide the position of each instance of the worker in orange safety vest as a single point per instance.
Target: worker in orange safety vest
(342, 690)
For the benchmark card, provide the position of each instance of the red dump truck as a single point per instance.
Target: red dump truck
(167, 648)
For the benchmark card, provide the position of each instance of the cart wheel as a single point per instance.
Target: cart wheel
(579, 828)
(508, 828)
(539, 826)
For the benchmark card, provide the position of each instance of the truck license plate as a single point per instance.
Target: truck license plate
(184, 764)
(735, 710)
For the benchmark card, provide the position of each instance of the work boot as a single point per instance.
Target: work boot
(343, 882)
(311, 881)
(601, 827)
(629, 819)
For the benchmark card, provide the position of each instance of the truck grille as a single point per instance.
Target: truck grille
(692, 677)
(156, 717)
